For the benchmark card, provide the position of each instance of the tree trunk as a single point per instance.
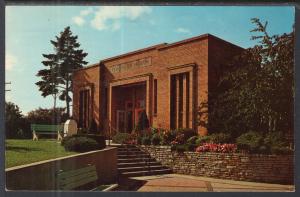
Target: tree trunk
(54, 118)
(67, 98)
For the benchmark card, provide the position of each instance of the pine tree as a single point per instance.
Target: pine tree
(70, 59)
(49, 85)
(57, 78)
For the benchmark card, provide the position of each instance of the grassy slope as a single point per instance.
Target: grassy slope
(19, 152)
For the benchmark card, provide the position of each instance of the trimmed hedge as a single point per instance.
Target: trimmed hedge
(146, 140)
(121, 138)
(156, 139)
(83, 143)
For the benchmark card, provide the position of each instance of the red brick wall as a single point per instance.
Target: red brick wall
(81, 79)
(205, 52)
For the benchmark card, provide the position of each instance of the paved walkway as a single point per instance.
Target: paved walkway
(185, 183)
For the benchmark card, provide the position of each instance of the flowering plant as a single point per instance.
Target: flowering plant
(131, 142)
(211, 147)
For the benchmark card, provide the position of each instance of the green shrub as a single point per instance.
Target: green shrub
(146, 140)
(143, 121)
(280, 150)
(220, 138)
(274, 139)
(190, 147)
(192, 140)
(203, 139)
(250, 141)
(178, 148)
(63, 141)
(156, 139)
(139, 140)
(121, 138)
(187, 133)
(168, 136)
(98, 138)
(80, 144)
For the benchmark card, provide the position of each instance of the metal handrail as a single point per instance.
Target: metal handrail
(145, 160)
(109, 132)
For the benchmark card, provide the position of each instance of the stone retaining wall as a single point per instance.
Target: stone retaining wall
(235, 166)
(42, 175)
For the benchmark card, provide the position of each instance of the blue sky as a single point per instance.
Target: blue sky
(108, 31)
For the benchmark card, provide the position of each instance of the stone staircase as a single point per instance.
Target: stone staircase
(133, 162)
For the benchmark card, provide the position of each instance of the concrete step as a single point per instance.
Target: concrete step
(141, 168)
(130, 152)
(129, 149)
(136, 164)
(135, 160)
(133, 156)
(146, 173)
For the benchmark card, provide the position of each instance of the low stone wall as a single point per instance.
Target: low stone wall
(235, 166)
(41, 175)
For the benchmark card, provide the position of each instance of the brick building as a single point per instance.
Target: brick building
(168, 81)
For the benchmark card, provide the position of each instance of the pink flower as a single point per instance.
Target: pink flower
(224, 148)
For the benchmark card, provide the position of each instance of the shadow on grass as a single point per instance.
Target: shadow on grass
(21, 149)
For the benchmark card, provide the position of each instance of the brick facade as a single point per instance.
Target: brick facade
(183, 73)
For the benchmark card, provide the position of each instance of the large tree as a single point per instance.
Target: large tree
(257, 92)
(67, 57)
(50, 79)
(14, 121)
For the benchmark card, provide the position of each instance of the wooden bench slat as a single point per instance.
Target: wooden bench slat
(79, 180)
(46, 127)
(77, 184)
(70, 173)
(46, 132)
(71, 179)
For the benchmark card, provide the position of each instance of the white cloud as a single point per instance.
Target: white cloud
(78, 20)
(116, 26)
(86, 12)
(10, 62)
(106, 17)
(183, 30)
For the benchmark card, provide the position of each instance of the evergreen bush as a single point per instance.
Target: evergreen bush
(80, 144)
(156, 139)
(250, 141)
(121, 138)
(146, 140)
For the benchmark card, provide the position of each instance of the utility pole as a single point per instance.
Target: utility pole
(7, 83)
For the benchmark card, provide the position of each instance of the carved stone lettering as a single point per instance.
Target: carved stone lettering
(131, 65)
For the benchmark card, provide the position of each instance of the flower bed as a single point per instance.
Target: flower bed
(182, 140)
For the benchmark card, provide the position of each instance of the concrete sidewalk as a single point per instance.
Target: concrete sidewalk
(185, 183)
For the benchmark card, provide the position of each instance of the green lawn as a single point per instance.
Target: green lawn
(19, 152)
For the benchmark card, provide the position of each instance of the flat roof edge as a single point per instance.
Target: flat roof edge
(160, 47)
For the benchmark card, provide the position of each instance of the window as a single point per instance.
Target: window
(84, 108)
(105, 96)
(155, 97)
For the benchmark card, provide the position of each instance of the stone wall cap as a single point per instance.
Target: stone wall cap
(56, 159)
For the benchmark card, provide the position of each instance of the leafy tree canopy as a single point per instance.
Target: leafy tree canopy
(257, 91)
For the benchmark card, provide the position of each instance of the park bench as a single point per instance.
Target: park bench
(72, 179)
(40, 129)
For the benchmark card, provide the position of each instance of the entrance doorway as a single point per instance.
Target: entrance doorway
(128, 103)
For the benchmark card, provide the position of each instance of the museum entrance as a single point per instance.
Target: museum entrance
(129, 101)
